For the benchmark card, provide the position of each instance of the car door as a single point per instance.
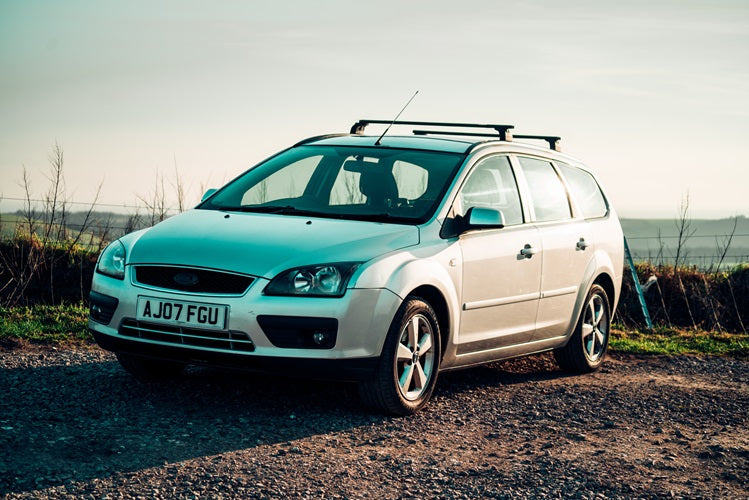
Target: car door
(567, 244)
(501, 267)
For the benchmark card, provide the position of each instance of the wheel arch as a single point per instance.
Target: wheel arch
(434, 297)
(607, 283)
(433, 279)
(597, 273)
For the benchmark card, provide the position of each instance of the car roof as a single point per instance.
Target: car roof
(448, 137)
(439, 144)
(395, 141)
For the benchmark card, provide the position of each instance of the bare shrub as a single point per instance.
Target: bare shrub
(155, 202)
(689, 298)
(43, 247)
(179, 188)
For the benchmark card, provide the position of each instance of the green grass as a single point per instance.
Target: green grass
(63, 324)
(45, 324)
(671, 341)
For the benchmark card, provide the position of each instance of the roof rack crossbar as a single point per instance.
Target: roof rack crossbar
(502, 130)
(553, 140)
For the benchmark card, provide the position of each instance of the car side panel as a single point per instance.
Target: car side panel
(563, 276)
(500, 287)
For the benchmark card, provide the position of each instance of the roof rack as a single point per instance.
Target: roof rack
(502, 131)
(553, 140)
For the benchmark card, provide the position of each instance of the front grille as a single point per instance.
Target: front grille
(216, 339)
(188, 279)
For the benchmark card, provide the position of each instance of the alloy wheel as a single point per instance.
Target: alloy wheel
(415, 357)
(595, 329)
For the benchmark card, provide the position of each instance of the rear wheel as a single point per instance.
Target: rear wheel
(407, 371)
(587, 347)
(148, 369)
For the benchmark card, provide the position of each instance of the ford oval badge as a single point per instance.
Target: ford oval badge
(186, 279)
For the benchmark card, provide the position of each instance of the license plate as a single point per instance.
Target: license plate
(182, 313)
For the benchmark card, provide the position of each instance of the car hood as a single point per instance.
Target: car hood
(264, 244)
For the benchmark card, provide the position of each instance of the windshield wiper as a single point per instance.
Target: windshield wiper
(279, 209)
(290, 210)
(382, 217)
(263, 209)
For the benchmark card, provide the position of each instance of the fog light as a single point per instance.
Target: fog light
(319, 338)
(102, 307)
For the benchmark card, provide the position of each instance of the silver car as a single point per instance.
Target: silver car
(377, 259)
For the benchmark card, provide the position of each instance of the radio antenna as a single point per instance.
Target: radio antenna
(377, 142)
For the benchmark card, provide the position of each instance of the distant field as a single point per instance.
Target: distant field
(642, 235)
(8, 225)
(702, 247)
(90, 237)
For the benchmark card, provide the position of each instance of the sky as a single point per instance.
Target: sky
(652, 95)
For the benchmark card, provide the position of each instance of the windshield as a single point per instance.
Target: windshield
(393, 185)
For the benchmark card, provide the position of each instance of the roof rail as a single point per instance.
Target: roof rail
(554, 141)
(502, 130)
(317, 138)
(468, 134)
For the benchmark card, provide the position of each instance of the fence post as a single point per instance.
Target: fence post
(638, 288)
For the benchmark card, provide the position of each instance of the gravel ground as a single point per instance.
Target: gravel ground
(73, 424)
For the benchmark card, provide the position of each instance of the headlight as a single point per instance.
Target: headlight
(112, 261)
(325, 280)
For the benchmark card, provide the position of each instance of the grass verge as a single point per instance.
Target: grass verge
(68, 323)
(671, 341)
(43, 324)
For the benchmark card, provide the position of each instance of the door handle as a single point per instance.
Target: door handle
(582, 244)
(527, 251)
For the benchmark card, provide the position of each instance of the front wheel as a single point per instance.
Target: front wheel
(407, 371)
(587, 346)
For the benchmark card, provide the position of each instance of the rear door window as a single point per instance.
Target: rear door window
(548, 195)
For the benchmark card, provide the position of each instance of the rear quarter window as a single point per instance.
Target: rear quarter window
(585, 190)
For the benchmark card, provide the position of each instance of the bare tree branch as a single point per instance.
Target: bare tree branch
(722, 247)
(684, 231)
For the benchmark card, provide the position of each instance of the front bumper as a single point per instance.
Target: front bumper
(353, 369)
(363, 317)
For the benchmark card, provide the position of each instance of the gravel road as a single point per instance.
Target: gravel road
(73, 424)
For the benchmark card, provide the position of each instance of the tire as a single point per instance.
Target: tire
(147, 369)
(406, 374)
(586, 348)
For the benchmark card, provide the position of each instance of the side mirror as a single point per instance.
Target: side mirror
(208, 194)
(483, 218)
